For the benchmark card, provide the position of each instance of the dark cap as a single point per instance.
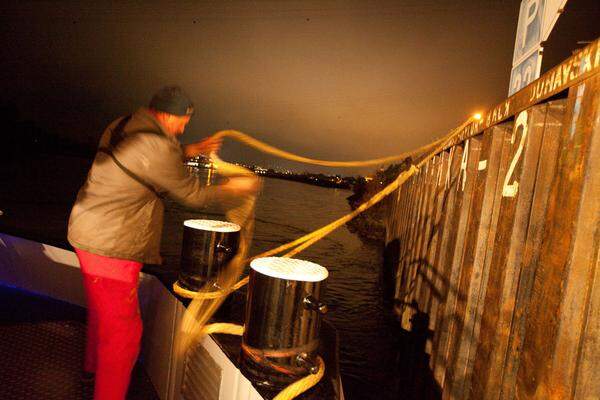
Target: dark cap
(172, 100)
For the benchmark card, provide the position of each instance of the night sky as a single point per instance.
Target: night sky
(331, 80)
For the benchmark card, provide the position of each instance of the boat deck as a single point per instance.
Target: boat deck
(42, 345)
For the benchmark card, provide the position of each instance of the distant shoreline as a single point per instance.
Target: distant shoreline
(308, 179)
(322, 180)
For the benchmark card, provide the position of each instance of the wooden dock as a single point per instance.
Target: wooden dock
(496, 241)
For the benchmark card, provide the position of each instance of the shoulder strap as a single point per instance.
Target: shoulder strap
(117, 137)
(129, 172)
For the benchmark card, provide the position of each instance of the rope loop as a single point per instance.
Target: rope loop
(207, 295)
(303, 384)
(292, 390)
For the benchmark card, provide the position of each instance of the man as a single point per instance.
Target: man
(115, 225)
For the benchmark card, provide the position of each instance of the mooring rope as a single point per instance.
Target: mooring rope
(303, 384)
(268, 149)
(311, 238)
(206, 301)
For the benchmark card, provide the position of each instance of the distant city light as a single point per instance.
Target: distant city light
(276, 171)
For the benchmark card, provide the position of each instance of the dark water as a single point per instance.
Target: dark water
(287, 210)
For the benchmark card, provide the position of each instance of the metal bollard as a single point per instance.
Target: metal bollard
(283, 318)
(208, 246)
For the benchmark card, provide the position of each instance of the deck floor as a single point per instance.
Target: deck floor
(41, 349)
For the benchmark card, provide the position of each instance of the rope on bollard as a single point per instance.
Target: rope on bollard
(292, 390)
(303, 384)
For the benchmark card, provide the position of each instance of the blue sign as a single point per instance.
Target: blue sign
(529, 29)
(526, 71)
(527, 58)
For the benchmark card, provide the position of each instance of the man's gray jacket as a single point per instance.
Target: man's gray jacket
(116, 215)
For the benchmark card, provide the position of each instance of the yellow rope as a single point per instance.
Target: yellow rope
(292, 390)
(199, 311)
(240, 211)
(322, 232)
(267, 148)
(311, 238)
(207, 295)
(303, 384)
(223, 327)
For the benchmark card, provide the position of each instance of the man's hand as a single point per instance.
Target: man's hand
(204, 147)
(241, 185)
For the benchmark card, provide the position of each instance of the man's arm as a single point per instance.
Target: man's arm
(162, 165)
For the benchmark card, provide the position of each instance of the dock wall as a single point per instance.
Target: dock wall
(495, 242)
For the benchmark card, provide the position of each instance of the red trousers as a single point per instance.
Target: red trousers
(114, 326)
